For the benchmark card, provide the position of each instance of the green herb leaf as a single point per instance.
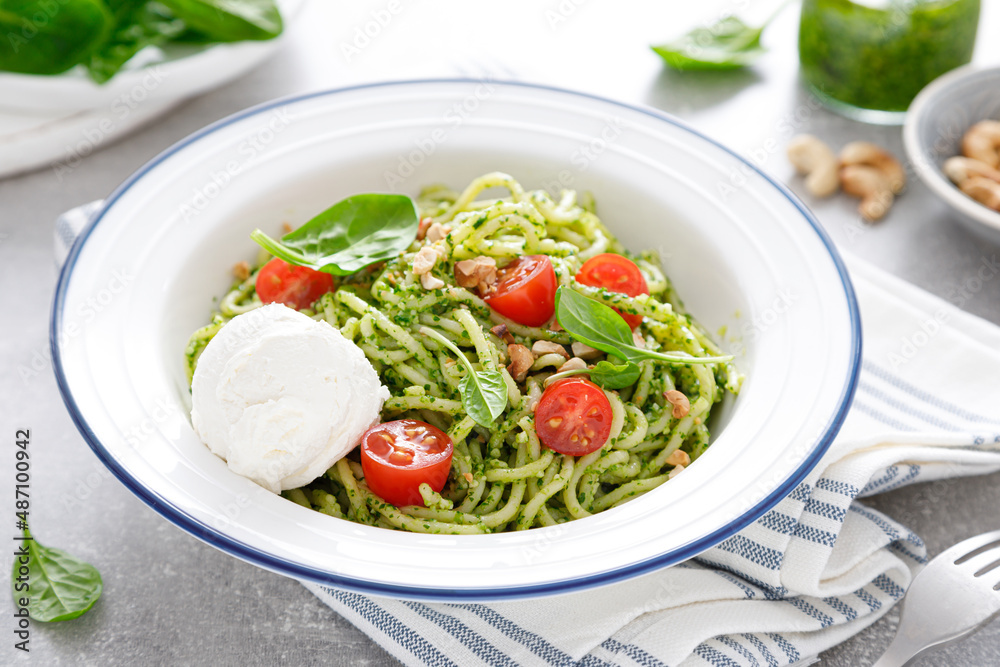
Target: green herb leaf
(725, 45)
(60, 587)
(350, 235)
(613, 376)
(230, 20)
(592, 323)
(484, 392)
(70, 32)
(138, 25)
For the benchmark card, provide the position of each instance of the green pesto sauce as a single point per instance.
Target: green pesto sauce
(880, 58)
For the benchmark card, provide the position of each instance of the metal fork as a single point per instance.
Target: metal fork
(957, 593)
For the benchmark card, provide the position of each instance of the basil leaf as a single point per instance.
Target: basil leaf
(70, 32)
(725, 45)
(592, 323)
(612, 376)
(138, 25)
(350, 235)
(484, 395)
(60, 587)
(484, 392)
(230, 20)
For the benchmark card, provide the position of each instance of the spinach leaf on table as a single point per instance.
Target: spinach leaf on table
(229, 20)
(60, 586)
(726, 44)
(45, 37)
(138, 25)
(350, 235)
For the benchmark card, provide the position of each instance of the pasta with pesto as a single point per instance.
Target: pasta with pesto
(503, 477)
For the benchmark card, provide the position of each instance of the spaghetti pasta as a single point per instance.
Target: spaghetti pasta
(502, 477)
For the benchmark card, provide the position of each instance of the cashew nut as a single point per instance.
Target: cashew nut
(872, 155)
(983, 190)
(814, 159)
(982, 142)
(872, 185)
(961, 169)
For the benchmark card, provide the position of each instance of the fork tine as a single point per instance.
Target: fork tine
(986, 568)
(972, 547)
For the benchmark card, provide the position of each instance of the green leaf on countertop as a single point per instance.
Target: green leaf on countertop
(484, 392)
(230, 20)
(725, 45)
(44, 37)
(138, 25)
(350, 235)
(60, 587)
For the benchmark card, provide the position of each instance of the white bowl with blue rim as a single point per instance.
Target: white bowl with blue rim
(936, 121)
(753, 260)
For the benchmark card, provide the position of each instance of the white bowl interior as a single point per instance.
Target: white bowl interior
(749, 260)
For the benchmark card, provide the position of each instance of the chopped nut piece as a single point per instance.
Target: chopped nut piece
(574, 364)
(467, 476)
(554, 325)
(540, 347)
(241, 270)
(429, 281)
(501, 332)
(520, 361)
(638, 339)
(584, 351)
(422, 227)
(480, 272)
(436, 232)
(680, 402)
(679, 458)
(287, 228)
(676, 471)
(424, 260)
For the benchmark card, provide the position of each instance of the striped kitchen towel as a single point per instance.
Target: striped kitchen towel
(810, 573)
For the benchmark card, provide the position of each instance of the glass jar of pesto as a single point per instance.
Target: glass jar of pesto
(868, 59)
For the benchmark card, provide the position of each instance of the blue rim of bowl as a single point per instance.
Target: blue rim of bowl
(265, 560)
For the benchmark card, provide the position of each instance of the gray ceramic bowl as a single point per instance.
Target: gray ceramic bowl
(935, 123)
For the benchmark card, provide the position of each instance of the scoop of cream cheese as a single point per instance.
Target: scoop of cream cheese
(282, 397)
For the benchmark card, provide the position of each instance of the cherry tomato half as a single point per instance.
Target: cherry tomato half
(295, 286)
(573, 417)
(398, 456)
(525, 291)
(615, 273)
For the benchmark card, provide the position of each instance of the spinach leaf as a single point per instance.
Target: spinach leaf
(350, 235)
(592, 323)
(484, 393)
(230, 20)
(725, 45)
(43, 37)
(60, 587)
(614, 376)
(138, 25)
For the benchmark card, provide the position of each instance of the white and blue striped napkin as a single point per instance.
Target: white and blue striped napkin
(810, 573)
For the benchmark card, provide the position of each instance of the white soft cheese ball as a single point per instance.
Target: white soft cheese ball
(282, 397)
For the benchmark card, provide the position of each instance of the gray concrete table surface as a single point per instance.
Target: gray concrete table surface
(169, 598)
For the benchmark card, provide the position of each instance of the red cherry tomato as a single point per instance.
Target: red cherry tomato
(525, 291)
(573, 417)
(295, 286)
(398, 456)
(615, 273)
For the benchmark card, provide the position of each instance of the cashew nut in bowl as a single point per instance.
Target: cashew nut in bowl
(983, 190)
(982, 142)
(813, 158)
(872, 185)
(961, 169)
(872, 155)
